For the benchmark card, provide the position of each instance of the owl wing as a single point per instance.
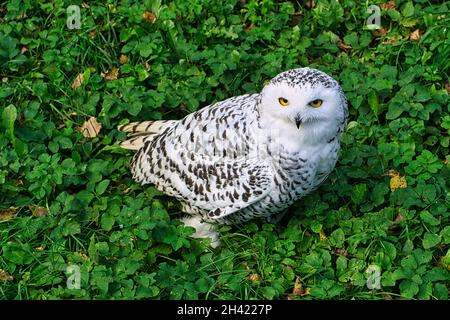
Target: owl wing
(221, 188)
(209, 159)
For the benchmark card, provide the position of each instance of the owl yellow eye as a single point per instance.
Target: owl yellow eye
(284, 102)
(316, 103)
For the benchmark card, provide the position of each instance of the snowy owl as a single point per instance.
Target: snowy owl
(249, 156)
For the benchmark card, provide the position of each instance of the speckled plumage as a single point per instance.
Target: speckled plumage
(245, 157)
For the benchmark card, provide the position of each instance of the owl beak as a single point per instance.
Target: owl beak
(298, 121)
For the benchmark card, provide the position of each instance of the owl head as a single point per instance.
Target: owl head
(304, 103)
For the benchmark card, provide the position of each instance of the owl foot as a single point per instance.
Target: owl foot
(203, 229)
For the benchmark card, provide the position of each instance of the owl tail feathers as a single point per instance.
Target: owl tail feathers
(141, 132)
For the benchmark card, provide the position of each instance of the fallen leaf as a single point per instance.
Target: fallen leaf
(322, 235)
(310, 4)
(379, 32)
(123, 59)
(91, 128)
(148, 66)
(343, 46)
(85, 5)
(249, 27)
(298, 287)
(298, 290)
(6, 214)
(5, 276)
(415, 35)
(397, 181)
(112, 74)
(390, 5)
(23, 50)
(40, 248)
(92, 34)
(254, 277)
(78, 81)
(341, 252)
(38, 211)
(126, 190)
(149, 16)
(447, 87)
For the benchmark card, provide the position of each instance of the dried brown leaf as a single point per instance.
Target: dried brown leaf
(111, 75)
(341, 252)
(149, 16)
(390, 5)
(398, 218)
(5, 276)
(254, 277)
(249, 27)
(379, 32)
(447, 87)
(415, 35)
(123, 59)
(298, 287)
(298, 290)
(78, 81)
(310, 4)
(38, 211)
(91, 128)
(6, 214)
(343, 46)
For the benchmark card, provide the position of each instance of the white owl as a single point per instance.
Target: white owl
(249, 156)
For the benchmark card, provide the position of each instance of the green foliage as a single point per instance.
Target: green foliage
(176, 58)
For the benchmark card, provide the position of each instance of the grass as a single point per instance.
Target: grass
(67, 201)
